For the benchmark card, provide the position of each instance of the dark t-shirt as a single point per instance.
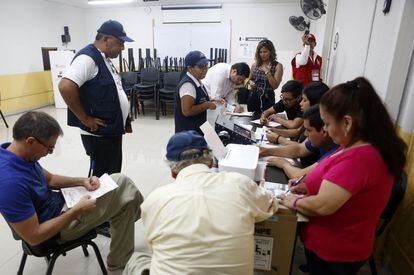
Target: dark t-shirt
(24, 191)
(291, 113)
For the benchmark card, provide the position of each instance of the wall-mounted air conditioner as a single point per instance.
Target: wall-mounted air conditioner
(191, 14)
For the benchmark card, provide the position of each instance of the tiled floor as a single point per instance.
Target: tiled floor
(144, 150)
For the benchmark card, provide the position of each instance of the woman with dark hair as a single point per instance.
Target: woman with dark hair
(347, 191)
(265, 75)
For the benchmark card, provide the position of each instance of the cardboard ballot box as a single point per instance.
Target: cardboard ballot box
(275, 242)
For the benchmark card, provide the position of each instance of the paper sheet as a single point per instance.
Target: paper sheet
(249, 114)
(213, 140)
(73, 195)
(275, 188)
(271, 124)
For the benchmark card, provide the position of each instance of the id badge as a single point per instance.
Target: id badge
(315, 75)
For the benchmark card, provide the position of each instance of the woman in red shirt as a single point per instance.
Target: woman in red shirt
(347, 191)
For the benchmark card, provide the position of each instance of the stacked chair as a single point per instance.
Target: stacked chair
(166, 94)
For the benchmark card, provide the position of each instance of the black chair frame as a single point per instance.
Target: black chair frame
(146, 90)
(167, 93)
(51, 250)
(397, 195)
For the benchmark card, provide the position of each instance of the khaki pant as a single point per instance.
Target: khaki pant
(121, 207)
(138, 264)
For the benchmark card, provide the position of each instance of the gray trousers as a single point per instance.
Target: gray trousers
(121, 207)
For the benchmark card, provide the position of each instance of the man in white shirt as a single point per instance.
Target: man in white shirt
(222, 78)
(203, 223)
(306, 66)
(97, 103)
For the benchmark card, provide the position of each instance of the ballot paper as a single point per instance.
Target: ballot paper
(73, 195)
(271, 124)
(249, 114)
(213, 140)
(275, 188)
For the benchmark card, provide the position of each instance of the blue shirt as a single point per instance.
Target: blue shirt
(323, 151)
(24, 191)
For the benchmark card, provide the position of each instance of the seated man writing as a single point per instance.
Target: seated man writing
(202, 223)
(318, 141)
(35, 212)
(289, 102)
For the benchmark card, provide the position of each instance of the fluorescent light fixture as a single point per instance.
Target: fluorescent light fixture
(109, 2)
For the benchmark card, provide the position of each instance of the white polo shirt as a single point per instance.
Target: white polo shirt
(203, 223)
(218, 83)
(83, 69)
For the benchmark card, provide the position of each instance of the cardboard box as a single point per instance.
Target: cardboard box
(274, 243)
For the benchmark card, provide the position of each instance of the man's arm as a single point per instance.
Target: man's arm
(302, 58)
(287, 133)
(34, 233)
(58, 182)
(70, 93)
(270, 111)
(289, 151)
(290, 124)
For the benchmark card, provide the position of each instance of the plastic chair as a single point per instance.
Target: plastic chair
(51, 250)
(166, 94)
(146, 90)
(129, 79)
(397, 194)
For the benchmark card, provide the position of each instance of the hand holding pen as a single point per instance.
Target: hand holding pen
(92, 183)
(295, 183)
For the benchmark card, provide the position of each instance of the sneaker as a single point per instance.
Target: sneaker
(304, 268)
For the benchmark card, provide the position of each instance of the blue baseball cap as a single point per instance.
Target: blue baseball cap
(184, 141)
(114, 28)
(195, 58)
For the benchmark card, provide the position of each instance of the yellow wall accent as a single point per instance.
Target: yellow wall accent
(399, 244)
(25, 91)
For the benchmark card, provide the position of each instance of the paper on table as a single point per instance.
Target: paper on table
(213, 140)
(73, 195)
(275, 188)
(240, 114)
(270, 123)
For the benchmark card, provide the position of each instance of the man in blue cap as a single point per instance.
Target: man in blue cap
(191, 98)
(202, 223)
(98, 105)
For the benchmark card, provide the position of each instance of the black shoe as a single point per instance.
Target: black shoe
(103, 230)
(304, 268)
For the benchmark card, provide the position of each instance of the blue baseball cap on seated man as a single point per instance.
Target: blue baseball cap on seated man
(184, 141)
(114, 28)
(195, 58)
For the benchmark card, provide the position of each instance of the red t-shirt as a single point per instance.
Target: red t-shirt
(348, 234)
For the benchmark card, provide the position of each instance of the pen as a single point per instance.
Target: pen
(296, 182)
(92, 168)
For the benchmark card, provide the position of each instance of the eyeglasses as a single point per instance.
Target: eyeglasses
(286, 99)
(50, 148)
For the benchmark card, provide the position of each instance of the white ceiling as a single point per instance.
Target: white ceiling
(84, 3)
